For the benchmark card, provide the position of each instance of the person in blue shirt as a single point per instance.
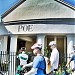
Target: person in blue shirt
(72, 59)
(38, 64)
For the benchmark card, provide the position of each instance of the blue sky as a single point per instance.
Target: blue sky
(72, 2)
(6, 4)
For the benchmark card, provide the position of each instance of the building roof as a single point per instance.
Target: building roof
(39, 9)
(12, 8)
(67, 21)
(68, 3)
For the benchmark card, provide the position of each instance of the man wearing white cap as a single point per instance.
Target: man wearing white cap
(54, 58)
(38, 65)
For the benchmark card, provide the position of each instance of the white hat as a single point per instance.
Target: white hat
(52, 43)
(36, 45)
(73, 45)
(23, 48)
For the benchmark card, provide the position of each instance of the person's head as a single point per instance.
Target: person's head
(73, 51)
(74, 47)
(52, 44)
(22, 50)
(36, 48)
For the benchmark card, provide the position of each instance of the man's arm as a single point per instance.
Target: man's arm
(32, 71)
(28, 65)
(72, 58)
(68, 63)
(52, 58)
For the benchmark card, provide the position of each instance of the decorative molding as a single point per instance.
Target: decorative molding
(68, 21)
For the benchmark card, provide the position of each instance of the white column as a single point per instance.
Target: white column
(5, 43)
(1, 43)
(1, 48)
(13, 47)
(5, 48)
(41, 39)
(70, 42)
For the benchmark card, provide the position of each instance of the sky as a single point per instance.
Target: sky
(6, 4)
(72, 2)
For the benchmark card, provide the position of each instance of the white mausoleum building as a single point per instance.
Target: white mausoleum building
(31, 20)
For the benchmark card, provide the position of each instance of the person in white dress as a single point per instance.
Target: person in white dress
(54, 58)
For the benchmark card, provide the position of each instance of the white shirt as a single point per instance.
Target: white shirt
(54, 59)
(22, 61)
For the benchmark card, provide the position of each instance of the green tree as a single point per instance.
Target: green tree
(47, 52)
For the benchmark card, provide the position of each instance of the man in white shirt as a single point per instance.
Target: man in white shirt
(54, 58)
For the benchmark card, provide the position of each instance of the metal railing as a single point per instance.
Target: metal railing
(9, 63)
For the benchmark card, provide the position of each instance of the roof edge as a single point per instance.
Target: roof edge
(69, 21)
(12, 8)
(66, 4)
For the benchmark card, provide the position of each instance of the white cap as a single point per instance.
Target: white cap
(52, 43)
(73, 45)
(36, 45)
(23, 48)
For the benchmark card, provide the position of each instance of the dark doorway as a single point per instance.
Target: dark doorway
(20, 43)
(8, 45)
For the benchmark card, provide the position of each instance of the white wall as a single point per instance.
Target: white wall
(1, 43)
(3, 48)
(3, 30)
